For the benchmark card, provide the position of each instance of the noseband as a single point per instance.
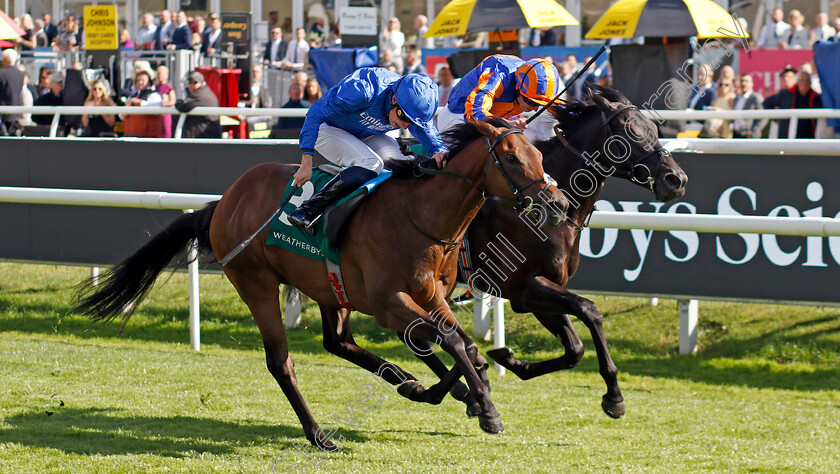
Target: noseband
(636, 163)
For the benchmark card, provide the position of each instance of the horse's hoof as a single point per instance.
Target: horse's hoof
(491, 424)
(501, 354)
(410, 389)
(322, 442)
(611, 408)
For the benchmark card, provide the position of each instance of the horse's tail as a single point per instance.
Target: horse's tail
(123, 287)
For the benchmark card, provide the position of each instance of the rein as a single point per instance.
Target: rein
(520, 201)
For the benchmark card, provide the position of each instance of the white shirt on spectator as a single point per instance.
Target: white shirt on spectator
(297, 52)
(146, 36)
(823, 33)
(772, 33)
(166, 31)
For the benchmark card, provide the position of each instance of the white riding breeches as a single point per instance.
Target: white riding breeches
(344, 149)
(447, 119)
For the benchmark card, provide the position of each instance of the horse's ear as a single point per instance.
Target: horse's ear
(485, 128)
(602, 102)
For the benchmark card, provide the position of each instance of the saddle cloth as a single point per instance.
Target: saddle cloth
(324, 244)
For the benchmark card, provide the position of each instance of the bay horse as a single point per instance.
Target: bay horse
(394, 257)
(605, 137)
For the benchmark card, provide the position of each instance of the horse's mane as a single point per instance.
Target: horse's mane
(569, 114)
(456, 139)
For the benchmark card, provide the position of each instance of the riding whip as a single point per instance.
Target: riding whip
(580, 73)
(241, 246)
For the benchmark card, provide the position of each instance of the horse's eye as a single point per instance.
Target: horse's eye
(512, 158)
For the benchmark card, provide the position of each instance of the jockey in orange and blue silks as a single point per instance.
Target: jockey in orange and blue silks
(501, 86)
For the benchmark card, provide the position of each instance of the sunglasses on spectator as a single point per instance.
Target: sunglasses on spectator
(727, 84)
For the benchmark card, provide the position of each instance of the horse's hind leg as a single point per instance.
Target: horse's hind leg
(261, 292)
(423, 350)
(338, 340)
(551, 301)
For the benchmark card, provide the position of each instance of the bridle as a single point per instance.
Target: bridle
(520, 201)
(637, 164)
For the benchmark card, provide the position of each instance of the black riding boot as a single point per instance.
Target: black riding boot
(344, 183)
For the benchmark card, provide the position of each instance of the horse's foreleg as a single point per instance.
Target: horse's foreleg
(423, 350)
(550, 301)
(262, 295)
(404, 315)
(338, 340)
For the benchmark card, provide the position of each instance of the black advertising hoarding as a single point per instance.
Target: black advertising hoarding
(676, 263)
(737, 266)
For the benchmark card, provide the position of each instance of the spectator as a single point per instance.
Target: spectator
(334, 37)
(300, 79)
(52, 97)
(41, 39)
(421, 24)
(167, 95)
(181, 36)
(725, 97)
(837, 28)
(747, 99)
(727, 73)
(163, 35)
(823, 31)
(259, 94)
(275, 50)
(298, 51)
(774, 32)
(788, 76)
(702, 95)
(199, 95)
(43, 86)
(798, 35)
(145, 96)
(412, 63)
(273, 19)
(800, 96)
(312, 91)
(27, 99)
(393, 39)
(211, 40)
(387, 59)
(295, 102)
(49, 29)
(198, 26)
(27, 41)
(574, 65)
(11, 86)
(146, 33)
(69, 38)
(446, 81)
(208, 26)
(125, 40)
(548, 36)
(98, 125)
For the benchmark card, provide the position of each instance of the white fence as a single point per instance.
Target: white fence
(805, 226)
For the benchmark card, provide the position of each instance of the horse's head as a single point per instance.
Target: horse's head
(513, 174)
(627, 144)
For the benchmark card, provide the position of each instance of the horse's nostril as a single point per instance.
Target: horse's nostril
(673, 180)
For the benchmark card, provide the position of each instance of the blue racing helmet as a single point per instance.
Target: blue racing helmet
(417, 96)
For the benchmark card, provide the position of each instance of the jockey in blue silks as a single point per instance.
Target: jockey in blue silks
(348, 125)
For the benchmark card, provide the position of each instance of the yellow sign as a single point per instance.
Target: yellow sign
(101, 27)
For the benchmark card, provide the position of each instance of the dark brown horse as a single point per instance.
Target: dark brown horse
(394, 259)
(607, 137)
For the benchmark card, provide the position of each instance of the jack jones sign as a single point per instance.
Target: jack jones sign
(747, 266)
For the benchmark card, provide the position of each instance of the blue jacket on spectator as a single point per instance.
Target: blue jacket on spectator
(360, 104)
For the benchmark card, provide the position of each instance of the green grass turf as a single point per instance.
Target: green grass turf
(762, 394)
